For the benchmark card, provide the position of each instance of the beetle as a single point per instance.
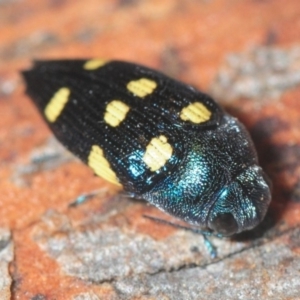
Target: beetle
(160, 139)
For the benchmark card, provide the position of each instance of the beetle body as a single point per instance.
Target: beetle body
(159, 139)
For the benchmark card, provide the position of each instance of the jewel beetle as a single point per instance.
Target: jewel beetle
(160, 139)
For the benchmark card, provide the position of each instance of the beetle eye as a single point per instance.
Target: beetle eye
(225, 224)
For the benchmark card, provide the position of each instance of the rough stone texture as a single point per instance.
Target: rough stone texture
(246, 54)
(269, 266)
(108, 252)
(263, 73)
(6, 256)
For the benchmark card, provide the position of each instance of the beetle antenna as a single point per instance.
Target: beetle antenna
(210, 247)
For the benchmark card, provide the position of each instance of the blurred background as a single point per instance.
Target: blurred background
(246, 54)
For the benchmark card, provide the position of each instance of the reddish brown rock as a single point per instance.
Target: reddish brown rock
(246, 54)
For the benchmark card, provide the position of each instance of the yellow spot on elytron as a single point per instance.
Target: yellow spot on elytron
(101, 166)
(56, 104)
(141, 87)
(196, 113)
(116, 112)
(158, 152)
(94, 64)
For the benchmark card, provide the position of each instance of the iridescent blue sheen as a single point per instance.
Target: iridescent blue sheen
(211, 178)
(218, 185)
